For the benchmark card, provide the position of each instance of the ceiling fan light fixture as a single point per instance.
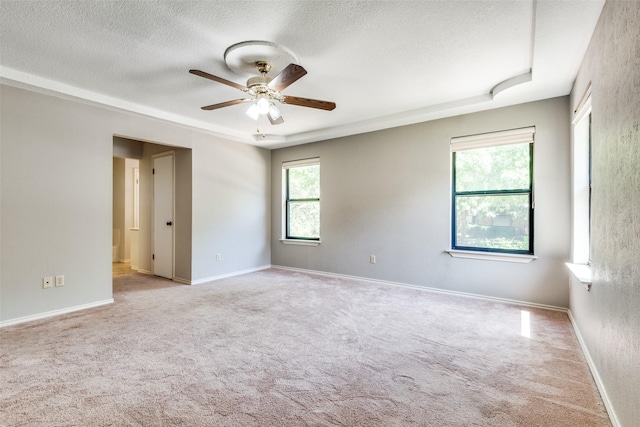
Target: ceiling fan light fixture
(274, 112)
(263, 105)
(253, 111)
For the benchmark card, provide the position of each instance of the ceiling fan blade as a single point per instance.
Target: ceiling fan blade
(219, 80)
(277, 121)
(287, 76)
(311, 103)
(226, 104)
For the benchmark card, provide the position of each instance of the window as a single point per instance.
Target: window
(302, 199)
(492, 197)
(582, 182)
(136, 197)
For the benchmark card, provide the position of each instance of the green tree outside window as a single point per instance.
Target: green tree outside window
(492, 199)
(303, 202)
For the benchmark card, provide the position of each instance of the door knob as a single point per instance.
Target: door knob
(169, 223)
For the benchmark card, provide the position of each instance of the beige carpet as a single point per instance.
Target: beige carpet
(277, 348)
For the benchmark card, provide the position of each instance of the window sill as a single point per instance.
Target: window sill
(300, 242)
(582, 272)
(491, 256)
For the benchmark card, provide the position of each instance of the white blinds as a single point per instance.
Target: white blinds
(303, 162)
(513, 136)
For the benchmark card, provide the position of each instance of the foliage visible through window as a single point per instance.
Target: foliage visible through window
(492, 199)
(303, 202)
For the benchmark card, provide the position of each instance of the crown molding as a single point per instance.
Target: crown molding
(38, 84)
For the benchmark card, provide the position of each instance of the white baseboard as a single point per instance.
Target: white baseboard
(181, 280)
(141, 271)
(224, 276)
(426, 288)
(52, 313)
(594, 373)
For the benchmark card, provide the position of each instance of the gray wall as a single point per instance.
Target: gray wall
(56, 200)
(387, 193)
(608, 317)
(231, 194)
(184, 213)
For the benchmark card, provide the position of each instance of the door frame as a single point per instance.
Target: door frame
(173, 210)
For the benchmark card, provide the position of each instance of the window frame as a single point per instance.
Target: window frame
(582, 182)
(590, 149)
(490, 140)
(287, 200)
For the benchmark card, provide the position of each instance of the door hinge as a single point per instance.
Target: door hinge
(153, 256)
(153, 171)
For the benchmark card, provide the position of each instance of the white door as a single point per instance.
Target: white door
(163, 215)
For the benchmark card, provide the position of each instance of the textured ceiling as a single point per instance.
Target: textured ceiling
(384, 63)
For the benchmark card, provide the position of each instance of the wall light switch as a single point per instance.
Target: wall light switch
(59, 280)
(218, 257)
(47, 282)
(372, 259)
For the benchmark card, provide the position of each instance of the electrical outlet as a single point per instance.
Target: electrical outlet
(372, 259)
(218, 257)
(47, 282)
(59, 281)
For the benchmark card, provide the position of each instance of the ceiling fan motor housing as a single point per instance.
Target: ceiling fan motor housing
(261, 80)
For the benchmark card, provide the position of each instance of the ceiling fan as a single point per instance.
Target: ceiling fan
(264, 91)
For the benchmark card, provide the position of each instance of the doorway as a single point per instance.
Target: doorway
(124, 225)
(176, 263)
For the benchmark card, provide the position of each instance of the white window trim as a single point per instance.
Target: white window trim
(300, 242)
(286, 165)
(492, 139)
(136, 198)
(582, 272)
(491, 256)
